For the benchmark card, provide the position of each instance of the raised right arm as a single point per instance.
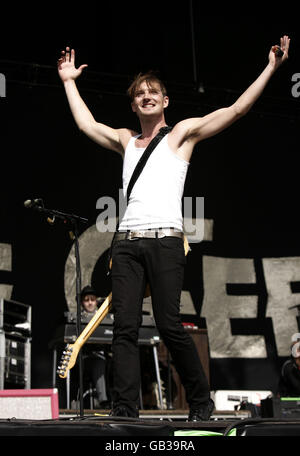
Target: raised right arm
(107, 137)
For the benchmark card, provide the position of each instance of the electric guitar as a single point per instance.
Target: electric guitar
(71, 351)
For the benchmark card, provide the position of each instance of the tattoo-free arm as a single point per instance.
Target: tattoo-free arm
(104, 135)
(198, 129)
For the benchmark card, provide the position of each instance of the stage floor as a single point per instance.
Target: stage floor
(152, 424)
(98, 422)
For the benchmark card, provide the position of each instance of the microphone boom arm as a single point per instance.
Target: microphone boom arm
(38, 205)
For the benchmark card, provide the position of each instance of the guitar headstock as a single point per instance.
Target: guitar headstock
(68, 360)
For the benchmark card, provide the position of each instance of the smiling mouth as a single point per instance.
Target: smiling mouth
(148, 105)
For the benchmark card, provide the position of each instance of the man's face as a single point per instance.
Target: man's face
(89, 303)
(149, 100)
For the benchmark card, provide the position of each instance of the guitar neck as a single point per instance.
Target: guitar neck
(95, 321)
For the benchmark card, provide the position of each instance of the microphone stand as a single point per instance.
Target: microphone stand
(74, 221)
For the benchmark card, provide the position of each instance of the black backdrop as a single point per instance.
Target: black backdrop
(247, 174)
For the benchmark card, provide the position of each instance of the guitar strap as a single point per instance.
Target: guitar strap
(143, 160)
(137, 171)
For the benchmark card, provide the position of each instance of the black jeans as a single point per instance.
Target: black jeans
(159, 262)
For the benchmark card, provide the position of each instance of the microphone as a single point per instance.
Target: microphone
(33, 203)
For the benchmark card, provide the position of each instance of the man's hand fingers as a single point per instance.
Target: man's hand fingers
(72, 57)
(82, 67)
(285, 43)
(68, 54)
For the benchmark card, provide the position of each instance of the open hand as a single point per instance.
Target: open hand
(66, 65)
(277, 60)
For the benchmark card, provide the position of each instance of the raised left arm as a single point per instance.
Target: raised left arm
(249, 97)
(196, 129)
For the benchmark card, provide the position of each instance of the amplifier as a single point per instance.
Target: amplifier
(280, 407)
(29, 404)
(15, 343)
(17, 360)
(103, 334)
(15, 316)
(71, 317)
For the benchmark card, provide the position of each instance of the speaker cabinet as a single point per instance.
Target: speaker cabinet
(29, 404)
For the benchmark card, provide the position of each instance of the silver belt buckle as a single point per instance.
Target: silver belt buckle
(132, 235)
(140, 234)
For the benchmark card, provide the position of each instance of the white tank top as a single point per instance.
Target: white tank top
(156, 197)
